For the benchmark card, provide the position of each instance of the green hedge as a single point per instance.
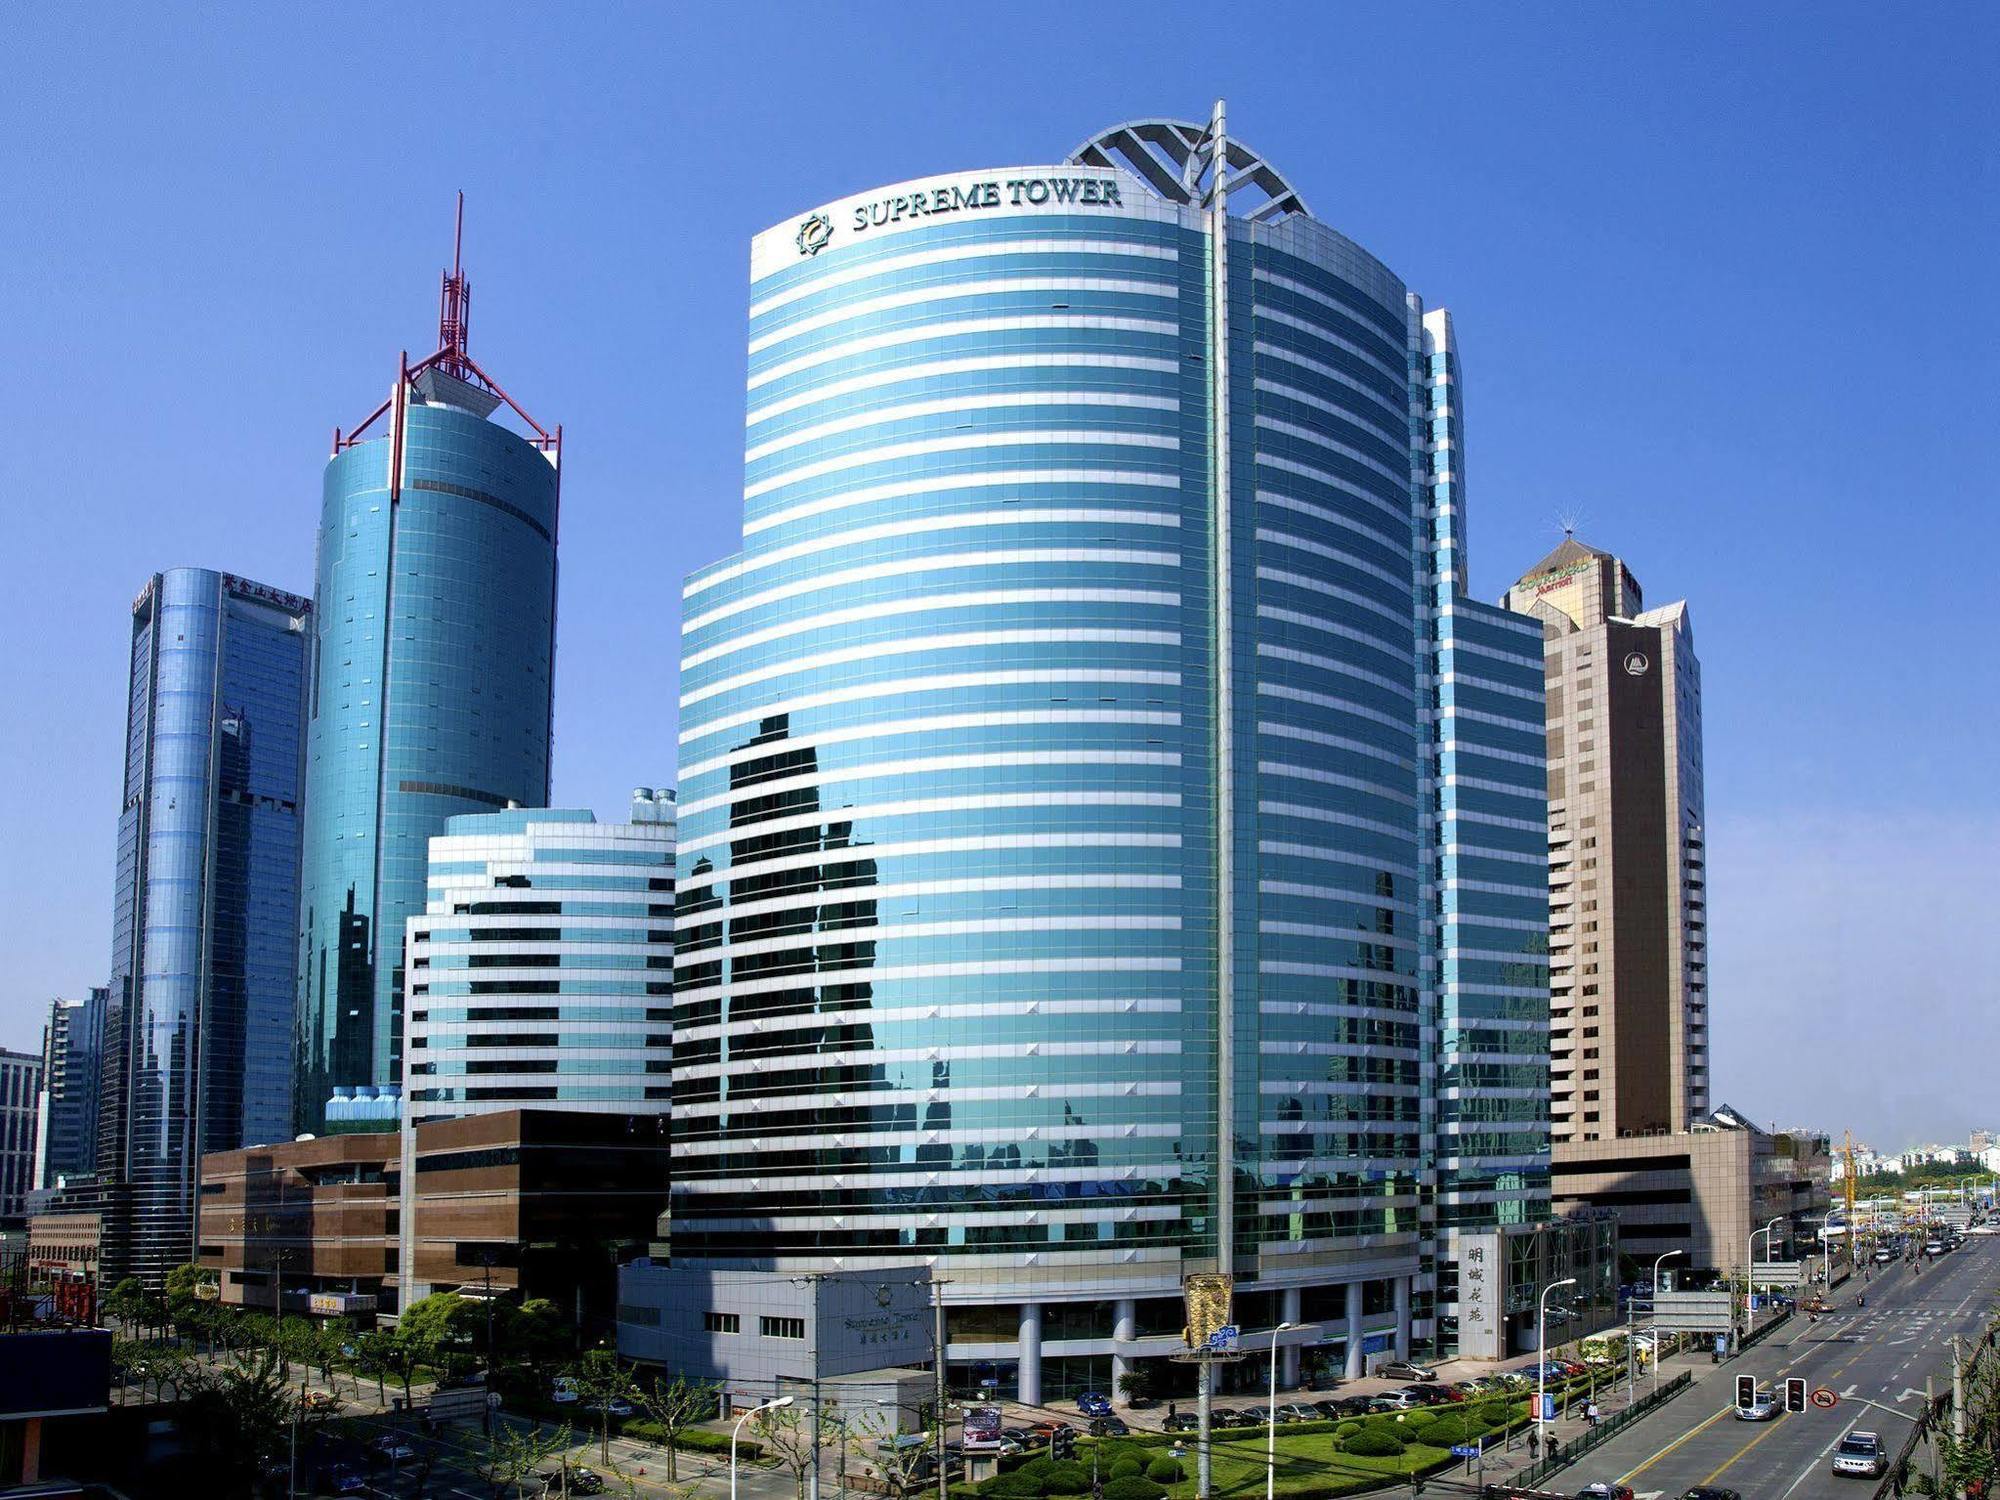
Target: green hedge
(1373, 1444)
(1127, 1466)
(1134, 1487)
(689, 1439)
(1165, 1471)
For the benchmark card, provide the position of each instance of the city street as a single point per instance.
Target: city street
(1875, 1359)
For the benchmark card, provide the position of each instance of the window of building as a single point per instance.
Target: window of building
(720, 1322)
(782, 1328)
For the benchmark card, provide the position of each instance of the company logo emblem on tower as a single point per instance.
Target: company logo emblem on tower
(814, 232)
(1636, 664)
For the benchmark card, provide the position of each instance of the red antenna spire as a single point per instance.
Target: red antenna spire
(455, 304)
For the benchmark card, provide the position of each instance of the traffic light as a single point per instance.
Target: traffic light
(1746, 1392)
(1795, 1394)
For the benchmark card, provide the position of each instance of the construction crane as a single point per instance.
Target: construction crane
(1847, 1186)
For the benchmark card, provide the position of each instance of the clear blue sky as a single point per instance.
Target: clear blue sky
(1722, 277)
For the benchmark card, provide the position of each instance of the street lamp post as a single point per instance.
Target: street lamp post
(735, 1431)
(1750, 1270)
(1542, 1358)
(1271, 1420)
(1656, 1315)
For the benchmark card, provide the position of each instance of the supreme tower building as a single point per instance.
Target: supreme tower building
(1059, 879)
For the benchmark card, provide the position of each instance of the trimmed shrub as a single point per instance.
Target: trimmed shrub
(1165, 1471)
(1422, 1417)
(1126, 1466)
(1346, 1429)
(1012, 1486)
(1373, 1444)
(1037, 1466)
(1134, 1487)
(1493, 1413)
(1065, 1479)
(1112, 1453)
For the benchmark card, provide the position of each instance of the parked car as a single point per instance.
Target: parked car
(1394, 1401)
(1041, 1432)
(1425, 1395)
(563, 1391)
(1227, 1417)
(1457, 1391)
(1182, 1421)
(320, 1401)
(1108, 1426)
(1402, 1369)
(618, 1406)
(1298, 1411)
(343, 1479)
(1258, 1415)
(1094, 1404)
(1860, 1454)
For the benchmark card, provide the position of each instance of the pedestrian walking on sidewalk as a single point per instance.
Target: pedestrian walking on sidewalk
(1534, 1446)
(1590, 1414)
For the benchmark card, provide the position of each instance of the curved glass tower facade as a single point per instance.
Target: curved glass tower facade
(431, 697)
(1053, 812)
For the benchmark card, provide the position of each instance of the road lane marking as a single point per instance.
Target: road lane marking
(1744, 1451)
(1634, 1474)
(1812, 1466)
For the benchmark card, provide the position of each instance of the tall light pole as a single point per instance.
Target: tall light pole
(1656, 1315)
(1271, 1420)
(738, 1428)
(1542, 1357)
(1750, 1270)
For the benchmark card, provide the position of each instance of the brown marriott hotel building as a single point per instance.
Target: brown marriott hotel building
(1630, 1113)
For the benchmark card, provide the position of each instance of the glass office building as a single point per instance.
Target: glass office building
(1487, 950)
(197, 1021)
(541, 969)
(1059, 896)
(72, 1040)
(431, 692)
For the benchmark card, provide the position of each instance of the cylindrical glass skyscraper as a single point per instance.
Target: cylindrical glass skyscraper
(1053, 796)
(432, 691)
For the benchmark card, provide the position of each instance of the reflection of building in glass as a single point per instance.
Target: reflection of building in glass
(197, 1025)
(432, 686)
(1096, 581)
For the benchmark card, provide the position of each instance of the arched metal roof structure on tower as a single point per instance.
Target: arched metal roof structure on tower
(1175, 159)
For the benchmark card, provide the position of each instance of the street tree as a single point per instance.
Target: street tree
(795, 1434)
(901, 1466)
(674, 1406)
(510, 1453)
(600, 1380)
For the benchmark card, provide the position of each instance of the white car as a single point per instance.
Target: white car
(1860, 1454)
(563, 1392)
